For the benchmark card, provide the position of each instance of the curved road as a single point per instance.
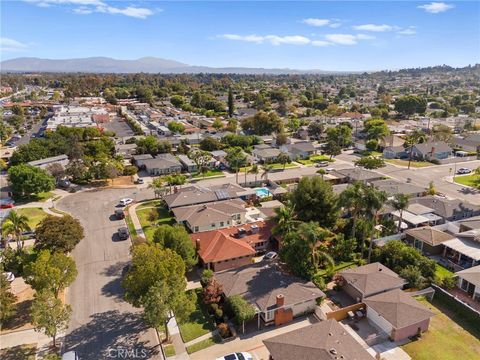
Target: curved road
(103, 325)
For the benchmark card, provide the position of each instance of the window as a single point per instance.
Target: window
(196, 229)
(213, 224)
(222, 223)
(269, 315)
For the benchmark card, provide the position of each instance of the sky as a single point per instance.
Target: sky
(324, 35)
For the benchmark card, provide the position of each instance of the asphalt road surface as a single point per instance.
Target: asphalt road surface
(103, 325)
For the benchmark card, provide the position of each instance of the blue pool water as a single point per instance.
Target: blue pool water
(262, 192)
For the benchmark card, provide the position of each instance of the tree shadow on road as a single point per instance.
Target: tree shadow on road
(114, 287)
(112, 335)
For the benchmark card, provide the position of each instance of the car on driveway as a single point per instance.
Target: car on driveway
(9, 276)
(463, 171)
(126, 201)
(329, 170)
(123, 233)
(270, 255)
(119, 214)
(237, 356)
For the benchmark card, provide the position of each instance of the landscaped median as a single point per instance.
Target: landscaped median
(468, 180)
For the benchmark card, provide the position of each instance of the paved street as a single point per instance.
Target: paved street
(103, 325)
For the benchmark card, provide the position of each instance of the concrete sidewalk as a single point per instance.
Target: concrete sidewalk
(23, 337)
(132, 212)
(177, 341)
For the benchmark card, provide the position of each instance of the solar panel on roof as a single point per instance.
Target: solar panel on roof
(221, 194)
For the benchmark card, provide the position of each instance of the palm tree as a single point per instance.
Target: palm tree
(353, 200)
(254, 170)
(266, 170)
(317, 239)
(15, 225)
(374, 201)
(322, 172)
(284, 219)
(431, 188)
(400, 203)
(416, 137)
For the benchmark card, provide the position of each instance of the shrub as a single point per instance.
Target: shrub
(319, 282)
(242, 310)
(207, 275)
(223, 330)
(413, 276)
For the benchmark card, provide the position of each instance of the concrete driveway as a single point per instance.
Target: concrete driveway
(103, 325)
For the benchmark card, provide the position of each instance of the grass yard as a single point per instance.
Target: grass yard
(162, 217)
(149, 204)
(370, 153)
(21, 352)
(281, 166)
(338, 267)
(442, 272)
(169, 350)
(446, 339)
(208, 173)
(246, 168)
(199, 323)
(468, 180)
(203, 344)
(34, 215)
(315, 158)
(413, 164)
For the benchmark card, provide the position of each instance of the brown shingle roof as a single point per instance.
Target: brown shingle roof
(398, 308)
(260, 283)
(372, 278)
(326, 340)
(429, 235)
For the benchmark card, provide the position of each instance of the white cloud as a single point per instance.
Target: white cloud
(411, 30)
(11, 45)
(333, 23)
(97, 6)
(272, 39)
(376, 28)
(347, 39)
(321, 43)
(436, 7)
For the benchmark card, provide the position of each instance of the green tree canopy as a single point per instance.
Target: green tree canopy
(58, 234)
(177, 239)
(27, 180)
(410, 104)
(263, 123)
(7, 300)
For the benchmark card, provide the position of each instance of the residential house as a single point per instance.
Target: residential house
(393, 187)
(325, 340)
(126, 150)
(265, 154)
(368, 280)
(231, 247)
(391, 140)
(431, 150)
(463, 251)
(427, 239)
(277, 296)
(395, 152)
(268, 208)
(469, 281)
(161, 164)
(211, 216)
(45, 163)
(350, 175)
(299, 150)
(360, 145)
(398, 314)
(188, 164)
(302, 133)
(470, 143)
(448, 210)
(192, 195)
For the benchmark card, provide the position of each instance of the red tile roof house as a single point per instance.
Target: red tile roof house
(398, 314)
(232, 247)
(277, 296)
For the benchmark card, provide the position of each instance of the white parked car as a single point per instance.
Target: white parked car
(270, 255)
(126, 201)
(321, 164)
(237, 356)
(462, 171)
(328, 170)
(9, 276)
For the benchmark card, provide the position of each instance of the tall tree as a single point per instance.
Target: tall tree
(231, 103)
(254, 170)
(177, 239)
(51, 272)
(15, 224)
(400, 203)
(284, 159)
(156, 281)
(352, 199)
(201, 158)
(236, 159)
(7, 300)
(284, 220)
(58, 234)
(416, 137)
(49, 314)
(27, 180)
(314, 200)
(374, 202)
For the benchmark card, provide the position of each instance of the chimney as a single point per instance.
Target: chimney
(280, 300)
(197, 245)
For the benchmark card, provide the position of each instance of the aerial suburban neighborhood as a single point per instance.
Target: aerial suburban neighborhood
(156, 210)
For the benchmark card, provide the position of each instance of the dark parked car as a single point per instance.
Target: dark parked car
(120, 214)
(123, 233)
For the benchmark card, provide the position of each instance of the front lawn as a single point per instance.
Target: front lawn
(151, 218)
(468, 180)
(208, 173)
(442, 272)
(281, 166)
(370, 153)
(446, 339)
(199, 322)
(314, 159)
(203, 344)
(34, 215)
(169, 350)
(413, 164)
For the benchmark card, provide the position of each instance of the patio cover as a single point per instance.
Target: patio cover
(411, 218)
(466, 247)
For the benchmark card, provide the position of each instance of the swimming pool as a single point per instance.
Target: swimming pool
(262, 192)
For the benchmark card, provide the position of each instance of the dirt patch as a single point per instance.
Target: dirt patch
(122, 181)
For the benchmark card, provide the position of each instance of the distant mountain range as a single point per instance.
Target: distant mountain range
(145, 65)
